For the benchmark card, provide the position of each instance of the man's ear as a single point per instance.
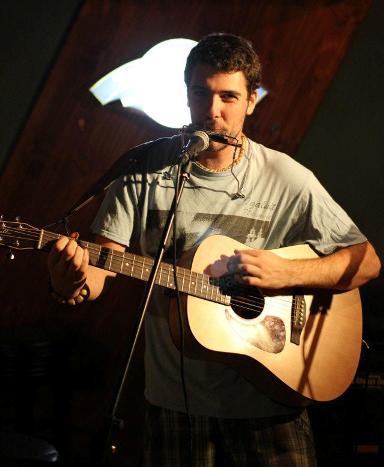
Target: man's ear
(251, 102)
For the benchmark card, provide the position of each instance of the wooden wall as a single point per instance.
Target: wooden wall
(70, 140)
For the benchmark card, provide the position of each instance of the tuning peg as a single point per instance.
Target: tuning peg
(10, 255)
(18, 218)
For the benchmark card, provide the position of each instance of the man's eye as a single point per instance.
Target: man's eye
(229, 97)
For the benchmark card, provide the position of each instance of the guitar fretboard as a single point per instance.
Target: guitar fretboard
(139, 267)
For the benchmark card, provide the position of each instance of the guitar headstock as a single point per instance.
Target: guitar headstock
(18, 235)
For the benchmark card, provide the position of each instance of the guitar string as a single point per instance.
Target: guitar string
(202, 280)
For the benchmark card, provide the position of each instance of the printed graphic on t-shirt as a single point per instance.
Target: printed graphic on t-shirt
(193, 228)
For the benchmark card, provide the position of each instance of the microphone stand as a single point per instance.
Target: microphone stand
(185, 164)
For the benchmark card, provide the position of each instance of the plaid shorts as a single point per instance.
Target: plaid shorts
(175, 440)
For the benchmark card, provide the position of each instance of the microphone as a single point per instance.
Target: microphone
(198, 142)
(213, 135)
(224, 139)
(219, 138)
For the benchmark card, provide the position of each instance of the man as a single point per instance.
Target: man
(255, 195)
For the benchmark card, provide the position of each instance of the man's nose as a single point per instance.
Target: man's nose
(214, 107)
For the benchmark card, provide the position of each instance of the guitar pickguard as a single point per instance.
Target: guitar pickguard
(267, 334)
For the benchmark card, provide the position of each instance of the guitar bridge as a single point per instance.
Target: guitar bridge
(298, 314)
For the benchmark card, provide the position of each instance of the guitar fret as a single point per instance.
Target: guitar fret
(119, 264)
(182, 285)
(166, 276)
(145, 269)
(206, 288)
(110, 260)
(142, 270)
(122, 262)
(133, 262)
(160, 277)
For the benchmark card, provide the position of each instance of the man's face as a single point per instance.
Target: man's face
(219, 101)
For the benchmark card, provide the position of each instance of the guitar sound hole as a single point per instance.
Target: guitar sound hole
(248, 304)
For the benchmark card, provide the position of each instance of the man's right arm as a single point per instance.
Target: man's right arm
(69, 268)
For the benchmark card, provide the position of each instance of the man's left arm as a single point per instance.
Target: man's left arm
(345, 269)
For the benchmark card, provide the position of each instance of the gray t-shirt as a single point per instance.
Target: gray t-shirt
(283, 205)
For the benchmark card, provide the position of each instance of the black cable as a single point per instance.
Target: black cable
(181, 317)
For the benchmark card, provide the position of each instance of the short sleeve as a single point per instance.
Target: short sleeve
(322, 222)
(115, 218)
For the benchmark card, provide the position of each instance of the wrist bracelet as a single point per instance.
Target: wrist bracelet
(82, 296)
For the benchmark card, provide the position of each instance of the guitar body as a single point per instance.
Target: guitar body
(319, 366)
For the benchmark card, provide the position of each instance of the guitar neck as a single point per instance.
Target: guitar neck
(139, 267)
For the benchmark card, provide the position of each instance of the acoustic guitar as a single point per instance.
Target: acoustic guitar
(296, 347)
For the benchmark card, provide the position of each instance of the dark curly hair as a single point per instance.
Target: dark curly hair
(226, 53)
